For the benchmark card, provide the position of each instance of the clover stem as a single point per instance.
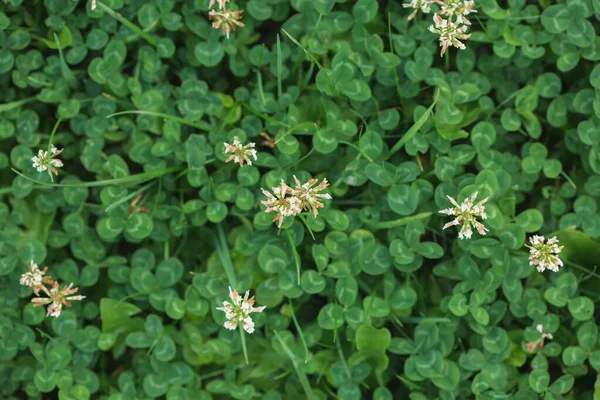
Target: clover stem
(243, 339)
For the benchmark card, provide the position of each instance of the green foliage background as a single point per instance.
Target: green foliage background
(387, 305)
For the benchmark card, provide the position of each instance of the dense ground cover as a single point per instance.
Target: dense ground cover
(409, 192)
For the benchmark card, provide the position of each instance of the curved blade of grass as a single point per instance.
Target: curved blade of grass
(223, 253)
(138, 178)
(295, 252)
(392, 50)
(261, 115)
(204, 126)
(64, 67)
(312, 235)
(279, 69)
(301, 375)
(128, 197)
(14, 104)
(313, 59)
(127, 23)
(300, 333)
(416, 126)
(399, 222)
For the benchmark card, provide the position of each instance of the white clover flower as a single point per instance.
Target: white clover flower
(240, 153)
(239, 310)
(309, 196)
(57, 297)
(44, 162)
(34, 277)
(458, 8)
(423, 5)
(545, 335)
(280, 204)
(451, 32)
(544, 254)
(466, 215)
(221, 3)
(226, 20)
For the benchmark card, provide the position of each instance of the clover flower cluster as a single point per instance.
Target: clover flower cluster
(58, 296)
(238, 311)
(240, 153)
(466, 216)
(542, 253)
(45, 161)
(450, 22)
(288, 202)
(223, 18)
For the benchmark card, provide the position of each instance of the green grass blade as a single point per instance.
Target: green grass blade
(243, 340)
(295, 252)
(300, 333)
(398, 222)
(416, 126)
(279, 69)
(301, 375)
(128, 197)
(204, 126)
(223, 253)
(138, 178)
(14, 104)
(64, 67)
(148, 38)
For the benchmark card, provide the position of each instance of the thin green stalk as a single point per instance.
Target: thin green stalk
(299, 126)
(138, 178)
(300, 333)
(127, 23)
(398, 222)
(564, 175)
(505, 101)
(14, 104)
(338, 346)
(260, 86)
(128, 197)
(301, 217)
(243, 339)
(203, 127)
(417, 320)
(416, 126)
(295, 252)
(582, 268)
(263, 116)
(300, 159)
(301, 375)
(396, 79)
(313, 59)
(223, 252)
(279, 69)
(410, 384)
(64, 67)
